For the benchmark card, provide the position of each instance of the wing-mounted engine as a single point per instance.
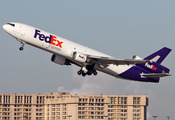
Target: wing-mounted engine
(137, 58)
(60, 60)
(79, 57)
(87, 67)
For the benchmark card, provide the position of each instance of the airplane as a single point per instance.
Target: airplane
(66, 52)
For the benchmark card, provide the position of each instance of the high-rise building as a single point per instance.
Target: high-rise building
(63, 106)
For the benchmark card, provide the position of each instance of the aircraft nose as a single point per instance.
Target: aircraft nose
(4, 27)
(7, 28)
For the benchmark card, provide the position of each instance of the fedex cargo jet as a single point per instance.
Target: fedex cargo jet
(65, 52)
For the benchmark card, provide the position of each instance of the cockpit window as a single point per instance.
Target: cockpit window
(11, 24)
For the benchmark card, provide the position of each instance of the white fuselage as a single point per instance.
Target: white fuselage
(60, 46)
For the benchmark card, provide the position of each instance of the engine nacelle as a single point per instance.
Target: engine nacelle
(136, 58)
(79, 57)
(60, 60)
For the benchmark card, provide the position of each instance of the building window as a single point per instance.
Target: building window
(136, 106)
(91, 108)
(63, 113)
(102, 100)
(63, 109)
(57, 105)
(64, 104)
(53, 105)
(92, 117)
(64, 117)
(57, 109)
(136, 100)
(79, 100)
(16, 99)
(97, 117)
(122, 100)
(97, 108)
(53, 113)
(91, 113)
(136, 114)
(84, 117)
(91, 104)
(91, 100)
(97, 104)
(136, 110)
(113, 100)
(112, 106)
(97, 113)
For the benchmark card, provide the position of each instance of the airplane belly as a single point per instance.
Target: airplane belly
(115, 70)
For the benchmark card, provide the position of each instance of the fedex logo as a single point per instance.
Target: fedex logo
(150, 66)
(82, 57)
(48, 39)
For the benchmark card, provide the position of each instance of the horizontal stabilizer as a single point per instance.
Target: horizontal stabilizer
(154, 75)
(110, 60)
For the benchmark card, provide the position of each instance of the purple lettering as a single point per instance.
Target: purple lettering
(42, 37)
(36, 33)
(48, 39)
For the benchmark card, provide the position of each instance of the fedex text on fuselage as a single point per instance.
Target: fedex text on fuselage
(48, 39)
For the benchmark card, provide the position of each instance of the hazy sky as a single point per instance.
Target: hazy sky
(119, 28)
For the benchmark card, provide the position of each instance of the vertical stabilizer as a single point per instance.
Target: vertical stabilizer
(159, 56)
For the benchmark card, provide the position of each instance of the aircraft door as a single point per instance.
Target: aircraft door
(19, 32)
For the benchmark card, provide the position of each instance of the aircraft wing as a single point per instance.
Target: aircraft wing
(110, 60)
(154, 75)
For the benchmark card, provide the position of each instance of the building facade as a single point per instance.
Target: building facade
(63, 106)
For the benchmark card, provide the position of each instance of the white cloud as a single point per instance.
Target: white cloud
(100, 84)
(105, 84)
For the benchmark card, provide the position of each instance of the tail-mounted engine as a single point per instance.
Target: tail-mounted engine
(60, 60)
(136, 58)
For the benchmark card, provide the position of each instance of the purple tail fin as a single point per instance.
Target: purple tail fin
(159, 56)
